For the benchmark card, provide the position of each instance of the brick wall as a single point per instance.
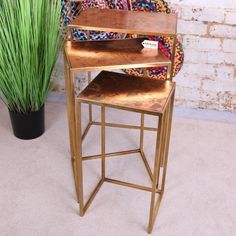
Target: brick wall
(207, 29)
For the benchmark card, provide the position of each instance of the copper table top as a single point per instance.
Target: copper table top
(124, 21)
(112, 54)
(128, 92)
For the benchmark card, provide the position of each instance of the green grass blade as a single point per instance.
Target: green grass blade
(30, 41)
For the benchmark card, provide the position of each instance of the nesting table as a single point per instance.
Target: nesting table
(88, 56)
(135, 94)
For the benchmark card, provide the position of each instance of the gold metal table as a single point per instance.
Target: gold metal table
(113, 54)
(135, 94)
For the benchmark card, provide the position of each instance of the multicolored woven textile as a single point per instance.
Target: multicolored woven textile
(71, 9)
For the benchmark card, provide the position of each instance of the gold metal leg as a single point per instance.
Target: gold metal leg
(142, 132)
(168, 76)
(173, 57)
(69, 99)
(103, 140)
(153, 212)
(169, 124)
(90, 114)
(164, 136)
(145, 161)
(145, 72)
(78, 159)
(88, 35)
(69, 80)
(90, 105)
(162, 148)
(72, 125)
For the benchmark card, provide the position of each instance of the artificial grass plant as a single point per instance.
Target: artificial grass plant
(29, 44)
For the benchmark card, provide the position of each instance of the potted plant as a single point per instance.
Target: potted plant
(30, 40)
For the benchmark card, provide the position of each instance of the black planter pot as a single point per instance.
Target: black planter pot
(28, 126)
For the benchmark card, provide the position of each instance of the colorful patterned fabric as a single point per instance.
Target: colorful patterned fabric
(70, 10)
(165, 43)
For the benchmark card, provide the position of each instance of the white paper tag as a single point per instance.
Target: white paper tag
(150, 44)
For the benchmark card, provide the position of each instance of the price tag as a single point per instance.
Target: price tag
(150, 44)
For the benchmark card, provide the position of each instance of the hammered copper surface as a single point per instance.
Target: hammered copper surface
(123, 21)
(112, 54)
(128, 92)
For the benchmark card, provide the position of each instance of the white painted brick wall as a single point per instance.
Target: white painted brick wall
(230, 4)
(223, 72)
(229, 45)
(204, 44)
(195, 55)
(230, 17)
(200, 14)
(225, 31)
(208, 31)
(221, 58)
(192, 27)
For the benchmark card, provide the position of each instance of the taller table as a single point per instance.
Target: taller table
(114, 54)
